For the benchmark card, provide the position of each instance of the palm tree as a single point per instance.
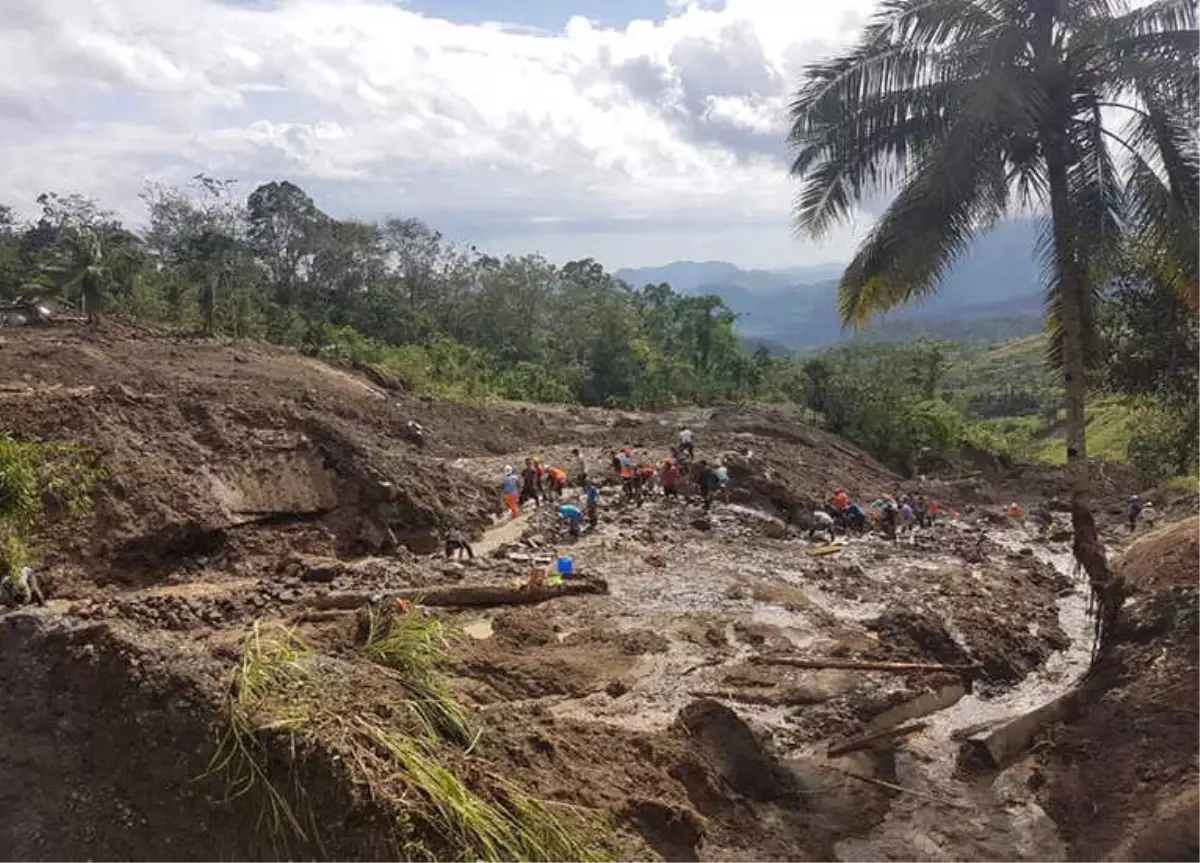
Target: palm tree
(94, 260)
(967, 110)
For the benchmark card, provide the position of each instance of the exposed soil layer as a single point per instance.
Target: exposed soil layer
(1121, 778)
(243, 483)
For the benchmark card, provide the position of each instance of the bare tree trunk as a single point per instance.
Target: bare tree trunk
(1088, 550)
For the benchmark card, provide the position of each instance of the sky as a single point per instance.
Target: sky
(636, 132)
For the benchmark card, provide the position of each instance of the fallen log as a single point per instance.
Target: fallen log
(999, 747)
(466, 596)
(860, 665)
(862, 742)
(891, 786)
(769, 698)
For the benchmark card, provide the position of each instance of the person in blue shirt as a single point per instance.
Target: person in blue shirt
(855, 518)
(573, 516)
(593, 504)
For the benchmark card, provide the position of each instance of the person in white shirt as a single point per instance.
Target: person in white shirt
(686, 444)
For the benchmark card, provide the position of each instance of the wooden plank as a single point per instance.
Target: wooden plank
(866, 740)
(860, 665)
(467, 596)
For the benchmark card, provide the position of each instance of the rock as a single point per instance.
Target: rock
(322, 573)
(727, 743)
(655, 559)
(616, 689)
(419, 541)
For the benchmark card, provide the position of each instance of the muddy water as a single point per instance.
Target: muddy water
(719, 590)
(996, 819)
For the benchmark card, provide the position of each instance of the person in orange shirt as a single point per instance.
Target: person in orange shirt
(558, 481)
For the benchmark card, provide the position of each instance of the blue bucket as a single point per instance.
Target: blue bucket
(566, 566)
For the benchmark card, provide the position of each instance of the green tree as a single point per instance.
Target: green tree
(967, 108)
(1149, 341)
(92, 254)
(282, 226)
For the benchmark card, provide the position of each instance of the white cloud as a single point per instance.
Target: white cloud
(378, 110)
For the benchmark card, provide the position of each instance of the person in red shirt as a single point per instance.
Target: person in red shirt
(645, 482)
(670, 478)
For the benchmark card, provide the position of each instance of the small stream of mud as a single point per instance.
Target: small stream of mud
(994, 817)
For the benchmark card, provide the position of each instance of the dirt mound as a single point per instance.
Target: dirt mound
(1121, 777)
(211, 452)
(1162, 560)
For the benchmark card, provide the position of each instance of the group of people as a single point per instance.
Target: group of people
(639, 479)
(538, 482)
(904, 513)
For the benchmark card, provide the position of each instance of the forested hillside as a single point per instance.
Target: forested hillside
(449, 319)
(439, 315)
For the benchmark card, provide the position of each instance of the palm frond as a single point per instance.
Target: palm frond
(1163, 192)
(1097, 199)
(959, 189)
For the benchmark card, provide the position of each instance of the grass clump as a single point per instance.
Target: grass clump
(32, 476)
(272, 667)
(411, 760)
(414, 646)
(519, 828)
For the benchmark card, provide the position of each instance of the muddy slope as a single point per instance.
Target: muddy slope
(244, 483)
(1121, 778)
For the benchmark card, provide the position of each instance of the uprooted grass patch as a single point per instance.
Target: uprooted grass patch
(410, 760)
(414, 646)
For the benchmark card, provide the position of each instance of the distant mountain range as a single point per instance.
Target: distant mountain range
(993, 293)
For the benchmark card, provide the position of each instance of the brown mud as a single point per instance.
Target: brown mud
(241, 481)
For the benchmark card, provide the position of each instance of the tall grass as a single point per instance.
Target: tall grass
(278, 687)
(415, 647)
(525, 829)
(272, 662)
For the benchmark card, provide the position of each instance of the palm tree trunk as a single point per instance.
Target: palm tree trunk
(1088, 550)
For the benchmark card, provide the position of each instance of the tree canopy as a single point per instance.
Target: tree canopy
(438, 314)
(963, 110)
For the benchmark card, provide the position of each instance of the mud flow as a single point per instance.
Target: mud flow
(255, 647)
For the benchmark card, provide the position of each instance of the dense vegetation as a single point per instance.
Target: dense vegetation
(440, 316)
(449, 319)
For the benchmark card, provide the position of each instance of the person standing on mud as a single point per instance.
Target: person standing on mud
(670, 479)
(593, 505)
(686, 444)
(531, 484)
(644, 482)
(628, 470)
(511, 488)
(556, 481)
(1134, 510)
(921, 509)
(1148, 514)
(706, 477)
(581, 467)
